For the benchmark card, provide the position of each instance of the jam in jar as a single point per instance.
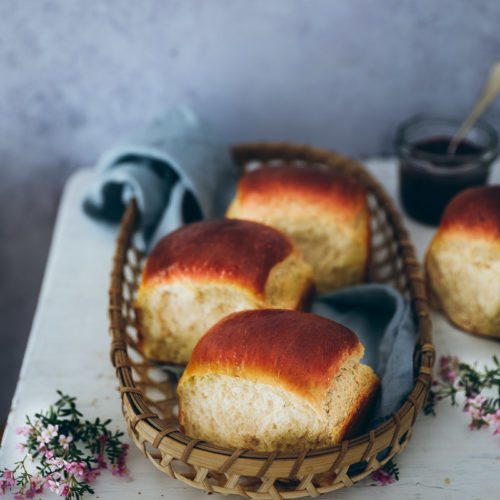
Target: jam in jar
(429, 177)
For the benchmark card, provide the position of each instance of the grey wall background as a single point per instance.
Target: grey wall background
(75, 75)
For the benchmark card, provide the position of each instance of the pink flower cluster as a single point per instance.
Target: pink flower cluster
(6, 481)
(119, 468)
(25, 430)
(478, 407)
(35, 488)
(383, 477)
(475, 407)
(493, 419)
(57, 481)
(448, 368)
(54, 483)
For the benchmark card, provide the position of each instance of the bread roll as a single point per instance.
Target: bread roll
(324, 213)
(203, 271)
(463, 261)
(275, 380)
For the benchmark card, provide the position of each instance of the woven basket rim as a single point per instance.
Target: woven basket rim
(169, 440)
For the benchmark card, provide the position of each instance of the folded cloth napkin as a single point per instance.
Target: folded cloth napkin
(179, 171)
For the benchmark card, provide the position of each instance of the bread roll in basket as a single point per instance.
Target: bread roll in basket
(206, 270)
(273, 379)
(148, 395)
(324, 213)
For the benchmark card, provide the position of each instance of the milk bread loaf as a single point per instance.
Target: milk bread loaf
(462, 263)
(276, 380)
(204, 271)
(325, 213)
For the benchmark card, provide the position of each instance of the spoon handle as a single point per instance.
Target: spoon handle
(490, 91)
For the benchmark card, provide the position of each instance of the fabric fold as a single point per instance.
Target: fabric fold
(177, 169)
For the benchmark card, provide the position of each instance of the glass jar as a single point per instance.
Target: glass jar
(428, 176)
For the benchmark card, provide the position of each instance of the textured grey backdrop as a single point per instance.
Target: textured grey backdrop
(341, 74)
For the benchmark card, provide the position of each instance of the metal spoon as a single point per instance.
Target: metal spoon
(490, 91)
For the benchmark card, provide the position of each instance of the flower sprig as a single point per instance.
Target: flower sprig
(461, 378)
(67, 452)
(387, 474)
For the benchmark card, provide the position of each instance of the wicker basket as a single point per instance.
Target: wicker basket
(148, 394)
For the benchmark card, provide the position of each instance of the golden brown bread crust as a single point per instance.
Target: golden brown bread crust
(303, 353)
(475, 210)
(327, 190)
(203, 252)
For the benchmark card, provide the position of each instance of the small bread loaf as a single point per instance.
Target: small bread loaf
(204, 271)
(275, 380)
(325, 214)
(463, 261)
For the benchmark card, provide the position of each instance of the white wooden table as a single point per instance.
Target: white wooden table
(68, 349)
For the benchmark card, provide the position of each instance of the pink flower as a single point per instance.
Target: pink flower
(56, 463)
(21, 447)
(119, 468)
(71, 467)
(3, 486)
(81, 468)
(101, 463)
(477, 401)
(8, 476)
(53, 485)
(18, 495)
(76, 468)
(493, 419)
(383, 477)
(48, 434)
(65, 491)
(30, 493)
(448, 367)
(474, 406)
(475, 413)
(36, 484)
(90, 475)
(49, 454)
(25, 430)
(56, 475)
(65, 440)
(103, 439)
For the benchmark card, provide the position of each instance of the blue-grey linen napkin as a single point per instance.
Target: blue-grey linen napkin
(179, 171)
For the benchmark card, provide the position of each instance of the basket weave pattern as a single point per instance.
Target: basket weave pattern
(148, 395)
